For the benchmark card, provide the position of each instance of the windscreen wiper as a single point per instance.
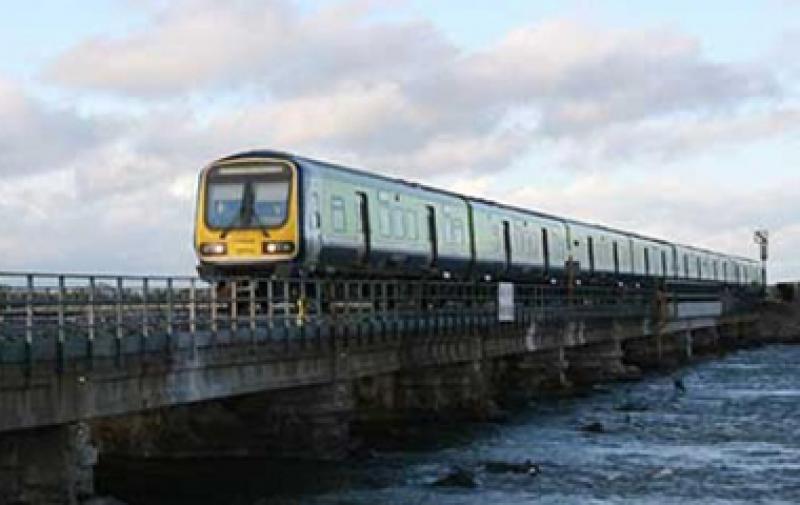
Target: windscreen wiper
(245, 212)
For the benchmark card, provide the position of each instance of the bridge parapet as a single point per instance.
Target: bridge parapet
(60, 318)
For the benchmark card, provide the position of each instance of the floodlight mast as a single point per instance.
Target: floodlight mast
(761, 237)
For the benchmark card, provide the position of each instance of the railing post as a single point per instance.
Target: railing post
(192, 309)
(213, 299)
(170, 313)
(286, 305)
(29, 323)
(145, 325)
(302, 307)
(92, 317)
(318, 306)
(120, 330)
(61, 325)
(234, 309)
(252, 293)
(270, 306)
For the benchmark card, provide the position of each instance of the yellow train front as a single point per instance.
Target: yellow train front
(247, 215)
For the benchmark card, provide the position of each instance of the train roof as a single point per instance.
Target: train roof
(356, 171)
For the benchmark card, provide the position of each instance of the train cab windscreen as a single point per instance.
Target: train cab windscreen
(248, 196)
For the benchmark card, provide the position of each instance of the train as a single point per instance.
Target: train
(273, 213)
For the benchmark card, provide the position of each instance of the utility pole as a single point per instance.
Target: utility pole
(761, 238)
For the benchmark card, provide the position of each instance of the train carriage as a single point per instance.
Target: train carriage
(512, 243)
(262, 212)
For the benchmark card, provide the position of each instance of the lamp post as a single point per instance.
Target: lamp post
(761, 238)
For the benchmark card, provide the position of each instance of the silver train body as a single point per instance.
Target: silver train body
(358, 222)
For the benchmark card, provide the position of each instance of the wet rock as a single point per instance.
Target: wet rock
(632, 406)
(527, 467)
(457, 477)
(663, 472)
(498, 416)
(595, 427)
(103, 500)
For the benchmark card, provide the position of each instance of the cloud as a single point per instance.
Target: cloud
(50, 224)
(338, 82)
(194, 45)
(37, 137)
(354, 83)
(668, 139)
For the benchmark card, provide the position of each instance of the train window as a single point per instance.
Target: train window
(646, 261)
(398, 225)
(411, 225)
(724, 270)
(448, 228)
(315, 209)
(615, 252)
(458, 231)
(686, 266)
(716, 272)
(664, 263)
(699, 269)
(385, 221)
(590, 244)
(338, 215)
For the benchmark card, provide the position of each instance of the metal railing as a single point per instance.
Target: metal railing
(62, 318)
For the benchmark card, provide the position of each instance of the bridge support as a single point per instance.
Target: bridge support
(598, 362)
(303, 422)
(540, 371)
(47, 466)
(460, 390)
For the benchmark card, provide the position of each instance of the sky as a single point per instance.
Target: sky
(676, 119)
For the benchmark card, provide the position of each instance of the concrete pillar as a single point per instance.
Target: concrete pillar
(688, 343)
(541, 371)
(47, 466)
(461, 390)
(597, 362)
(306, 422)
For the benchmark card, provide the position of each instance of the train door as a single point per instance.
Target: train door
(664, 272)
(364, 227)
(590, 245)
(545, 250)
(434, 244)
(507, 244)
(616, 258)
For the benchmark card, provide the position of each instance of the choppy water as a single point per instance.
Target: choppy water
(732, 437)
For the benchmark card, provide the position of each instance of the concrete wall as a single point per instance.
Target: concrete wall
(316, 396)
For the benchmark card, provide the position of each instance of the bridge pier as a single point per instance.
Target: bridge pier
(303, 422)
(460, 390)
(540, 371)
(47, 466)
(597, 362)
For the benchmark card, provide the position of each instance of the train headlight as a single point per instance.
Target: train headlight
(213, 249)
(278, 247)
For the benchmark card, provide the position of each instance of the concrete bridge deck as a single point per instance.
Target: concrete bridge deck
(81, 348)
